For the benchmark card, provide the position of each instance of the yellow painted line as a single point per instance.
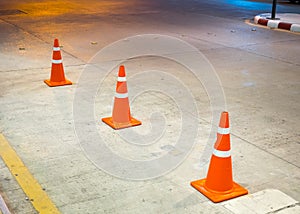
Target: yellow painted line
(37, 196)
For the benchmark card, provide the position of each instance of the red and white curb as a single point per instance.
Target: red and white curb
(262, 19)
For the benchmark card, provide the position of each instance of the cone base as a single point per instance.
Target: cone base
(53, 84)
(219, 196)
(114, 125)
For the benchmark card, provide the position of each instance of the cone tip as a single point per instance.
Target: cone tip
(225, 113)
(56, 44)
(122, 71)
(224, 120)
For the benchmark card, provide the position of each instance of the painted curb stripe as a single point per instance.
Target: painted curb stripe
(256, 18)
(221, 154)
(38, 197)
(295, 28)
(285, 26)
(263, 22)
(273, 24)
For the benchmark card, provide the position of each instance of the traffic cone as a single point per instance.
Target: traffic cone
(57, 77)
(218, 185)
(121, 117)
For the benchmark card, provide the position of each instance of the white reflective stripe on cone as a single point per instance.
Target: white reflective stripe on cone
(121, 79)
(56, 48)
(56, 61)
(222, 154)
(124, 95)
(223, 130)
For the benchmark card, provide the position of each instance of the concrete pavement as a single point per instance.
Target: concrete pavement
(258, 71)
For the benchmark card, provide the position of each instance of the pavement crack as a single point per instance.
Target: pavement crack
(265, 150)
(244, 48)
(266, 56)
(41, 39)
(41, 68)
(262, 149)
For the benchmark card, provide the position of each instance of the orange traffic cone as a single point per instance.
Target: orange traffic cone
(219, 185)
(121, 117)
(57, 77)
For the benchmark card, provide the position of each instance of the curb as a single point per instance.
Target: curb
(265, 201)
(263, 20)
